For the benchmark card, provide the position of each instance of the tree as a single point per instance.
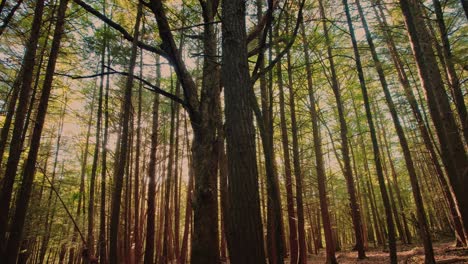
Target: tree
(375, 146)
(244, 229)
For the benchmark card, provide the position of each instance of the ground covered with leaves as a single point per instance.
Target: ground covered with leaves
(409, 254)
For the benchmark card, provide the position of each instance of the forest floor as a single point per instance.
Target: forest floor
(445, 253)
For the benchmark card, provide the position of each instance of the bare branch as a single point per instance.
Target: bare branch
(149, 86)
(119, 28)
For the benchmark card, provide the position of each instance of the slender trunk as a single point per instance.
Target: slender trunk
(10, 15)
(102, 242)
(377, 158)
(136, 193)
(275, 229)
(355, 210)
(92, 181)
(297, 167)
(320, 166)
(151, 207)
(122, 158)
(166, 256)
(293, 241)
(9, 115)
(424, 231)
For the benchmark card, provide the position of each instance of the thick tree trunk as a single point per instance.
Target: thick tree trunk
(244, 229)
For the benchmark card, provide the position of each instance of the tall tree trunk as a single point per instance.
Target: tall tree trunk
(293, 242)
(375, 146)
(23, 99)
(245, 234)
(92, 180)
(24, 195)
(166, 256)
(423, 230)
(151, 207)
(275, 229)
(203, 118)
(454, 81)
(102, 242)
(355, 211)
(188, 202)
(297, 168)
(453, 151)
(405, 83)
(122, 158)
(320, 166)
(136, 193)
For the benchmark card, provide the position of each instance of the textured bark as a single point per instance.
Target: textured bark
(244, 229)
(21, 109)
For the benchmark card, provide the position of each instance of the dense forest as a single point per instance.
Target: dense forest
(233, 131)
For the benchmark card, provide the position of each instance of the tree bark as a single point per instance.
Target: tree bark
(244, 229)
